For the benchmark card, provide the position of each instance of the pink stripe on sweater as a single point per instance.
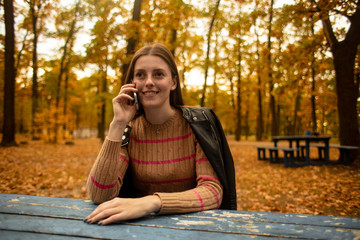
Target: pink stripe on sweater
(124, 159)
(200, 199)
(167, 181)
(215, 193)
(163, 140)
(202, 160)
(163, 162)
(207, 178)
(100, 185)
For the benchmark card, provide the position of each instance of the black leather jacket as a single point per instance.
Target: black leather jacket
(210, 135)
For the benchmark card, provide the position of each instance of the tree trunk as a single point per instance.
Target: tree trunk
(232, 92)
(132, 41)
(247, 115)
(8, 138)
(207, 60)
(102, 112)
(296, 110)
(215, 85)
(313, 100)
(274, 119)
(347, 94)
(347, 89)
(35, 7)
(313, 87)
(64, 65)
(259, 116)
(238, 126)
(19, 55)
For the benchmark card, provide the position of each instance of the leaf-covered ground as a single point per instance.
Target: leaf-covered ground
(60, 170)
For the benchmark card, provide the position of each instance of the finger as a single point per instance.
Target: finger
(114, 218)
(128, 88)
(121, 97)
(100, 208)
(106, 214)
(103, 209)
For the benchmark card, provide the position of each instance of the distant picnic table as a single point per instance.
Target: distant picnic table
(298, 151)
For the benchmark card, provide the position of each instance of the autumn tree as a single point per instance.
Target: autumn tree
(207, 58)
(100, 51)
(8, 138)
(171, 22)
(259, 91)
(23, 62)
(344, 53)
(273, 107)
(66, 30)
(133, 39)
(35, 8)
(38, 11)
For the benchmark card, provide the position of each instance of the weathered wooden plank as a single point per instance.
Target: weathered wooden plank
(248, 226)
(269, 217)
(13, 235)
(76, 228)
(43, 206)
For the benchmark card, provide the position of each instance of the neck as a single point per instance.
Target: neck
(159, 116)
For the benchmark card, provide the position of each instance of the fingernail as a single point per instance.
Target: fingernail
(100, 223)
(87, 220)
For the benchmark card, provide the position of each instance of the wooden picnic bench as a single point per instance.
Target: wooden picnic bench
(288, 158)
(33, 217)
(344, 152)
(302, 156)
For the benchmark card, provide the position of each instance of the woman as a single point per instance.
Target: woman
(170, 173)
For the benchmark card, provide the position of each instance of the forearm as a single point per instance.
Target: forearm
(105, 180)
(204, 197)
(116, 130)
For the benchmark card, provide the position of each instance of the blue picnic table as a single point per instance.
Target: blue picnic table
(308, 140)
(33, 217)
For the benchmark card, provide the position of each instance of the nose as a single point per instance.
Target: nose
(149, 81)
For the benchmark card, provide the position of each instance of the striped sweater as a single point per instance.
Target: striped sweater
(165, 160)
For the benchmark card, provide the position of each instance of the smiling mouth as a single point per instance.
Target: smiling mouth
(150, 93)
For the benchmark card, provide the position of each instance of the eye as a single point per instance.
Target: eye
(139, 75)
(159, 74)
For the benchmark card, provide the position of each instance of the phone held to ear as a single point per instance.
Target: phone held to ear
(136, 101)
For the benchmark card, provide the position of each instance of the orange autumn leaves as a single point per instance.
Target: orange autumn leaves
(60, 170)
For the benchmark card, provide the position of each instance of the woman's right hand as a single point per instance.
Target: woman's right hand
(123, 111)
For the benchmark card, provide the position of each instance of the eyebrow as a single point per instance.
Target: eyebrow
(156, 69)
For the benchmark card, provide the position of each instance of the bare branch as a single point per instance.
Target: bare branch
(328, 31)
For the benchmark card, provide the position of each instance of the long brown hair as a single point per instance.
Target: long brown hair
(163, 52)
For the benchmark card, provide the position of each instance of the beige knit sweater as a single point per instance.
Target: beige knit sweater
(165, 160)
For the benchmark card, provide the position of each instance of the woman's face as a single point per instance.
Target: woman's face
(154, 81)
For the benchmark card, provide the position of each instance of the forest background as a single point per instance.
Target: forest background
(266, 68)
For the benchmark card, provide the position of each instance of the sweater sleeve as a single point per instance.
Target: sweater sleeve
(206, 195)
(106, 175)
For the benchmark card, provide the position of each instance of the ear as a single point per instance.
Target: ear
(174, 83)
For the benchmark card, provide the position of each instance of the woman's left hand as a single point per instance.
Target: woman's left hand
(121, 209)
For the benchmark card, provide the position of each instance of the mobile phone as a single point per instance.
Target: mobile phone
(136, 101)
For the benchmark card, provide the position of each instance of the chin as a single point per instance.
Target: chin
(153, 105)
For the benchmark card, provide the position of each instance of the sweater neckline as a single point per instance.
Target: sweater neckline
(166, 124)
